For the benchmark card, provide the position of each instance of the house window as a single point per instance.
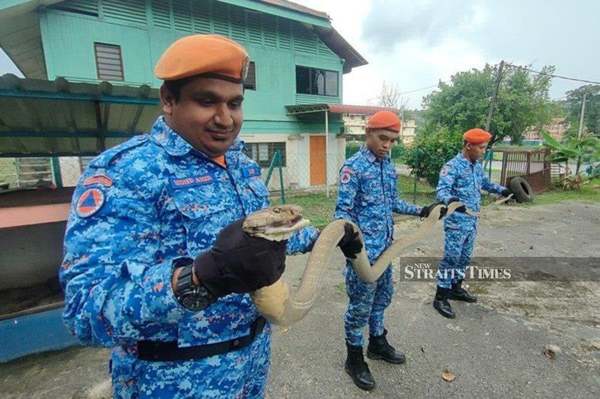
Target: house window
(263, 153)
(109, 63)
(316, 81)
(250, 82)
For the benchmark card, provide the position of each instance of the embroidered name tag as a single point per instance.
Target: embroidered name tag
(192, 181)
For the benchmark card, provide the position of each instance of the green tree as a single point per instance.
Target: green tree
(431, 150)
(464, 102)
(591, 119)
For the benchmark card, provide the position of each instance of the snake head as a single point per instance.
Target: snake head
(275, 222)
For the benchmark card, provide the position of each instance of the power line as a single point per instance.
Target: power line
(554, 75)
(416, 90)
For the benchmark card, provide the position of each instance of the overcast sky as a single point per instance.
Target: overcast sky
(415, 43)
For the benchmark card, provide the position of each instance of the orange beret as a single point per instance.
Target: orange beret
(203, 54)
(384, 120)
(477, 136)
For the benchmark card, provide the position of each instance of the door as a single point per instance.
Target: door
(317, 160)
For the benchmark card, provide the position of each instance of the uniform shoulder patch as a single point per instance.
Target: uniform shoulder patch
(445, 170)
(89, 202)
(345, 174)
(100, 179)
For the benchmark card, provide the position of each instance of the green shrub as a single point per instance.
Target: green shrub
(398, 150)
(352, 148)
(432, 149)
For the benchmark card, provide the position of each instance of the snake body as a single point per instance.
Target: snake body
(281, 307)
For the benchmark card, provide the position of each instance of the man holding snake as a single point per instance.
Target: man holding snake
(156, 264)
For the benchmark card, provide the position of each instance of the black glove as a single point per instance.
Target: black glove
(461, 209)
(240, 263)
(506, 192)
(426, 210)
(350, 244)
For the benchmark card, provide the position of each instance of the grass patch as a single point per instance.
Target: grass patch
(319, 209)
(590, 192)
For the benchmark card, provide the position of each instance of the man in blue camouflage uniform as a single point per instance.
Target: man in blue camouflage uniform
(461, 179)
(368, 196)
(156, 265)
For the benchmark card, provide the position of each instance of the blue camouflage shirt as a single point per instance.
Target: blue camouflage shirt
(368, 196)
(138, 208)
(463, 179)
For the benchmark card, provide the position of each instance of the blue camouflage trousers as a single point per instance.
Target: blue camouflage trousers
(458, 248)
(237, 374)
(366, 304)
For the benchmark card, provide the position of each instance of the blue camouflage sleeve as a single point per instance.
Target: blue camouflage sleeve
(348, 188)
(115, 291)
(489, 186)
(446, 183)
(302, 241)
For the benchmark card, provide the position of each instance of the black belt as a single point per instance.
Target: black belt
(169, 351)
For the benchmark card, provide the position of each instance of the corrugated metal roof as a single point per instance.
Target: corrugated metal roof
(63, 118)
(297, 7)
(336, 109)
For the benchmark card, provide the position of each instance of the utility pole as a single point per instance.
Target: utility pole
(580, 131)
(488, 121)
(402, 124)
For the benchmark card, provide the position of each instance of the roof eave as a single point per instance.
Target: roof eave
(336, 42)
(12, 8)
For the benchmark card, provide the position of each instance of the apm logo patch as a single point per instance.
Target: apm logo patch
(89, 202)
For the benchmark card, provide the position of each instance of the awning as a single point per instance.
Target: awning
(63, 118)
(336, 109)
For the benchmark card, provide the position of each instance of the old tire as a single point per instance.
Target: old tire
(521, 189)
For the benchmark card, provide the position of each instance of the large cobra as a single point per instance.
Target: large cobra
(277, 223)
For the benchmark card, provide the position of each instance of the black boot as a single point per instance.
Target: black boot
(358, 369)
(380, 349)
(441, 304)
(458, 293)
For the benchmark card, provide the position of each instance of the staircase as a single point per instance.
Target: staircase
(34, 172)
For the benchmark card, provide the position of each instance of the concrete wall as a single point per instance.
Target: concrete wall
(296, 173)
(30, 255)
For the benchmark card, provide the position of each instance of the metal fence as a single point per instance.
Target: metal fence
(301, 174)
(532, 164)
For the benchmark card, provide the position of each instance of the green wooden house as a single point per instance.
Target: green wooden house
(297, 64)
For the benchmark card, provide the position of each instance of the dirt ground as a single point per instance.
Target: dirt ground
(493, 347)
(567, 308)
